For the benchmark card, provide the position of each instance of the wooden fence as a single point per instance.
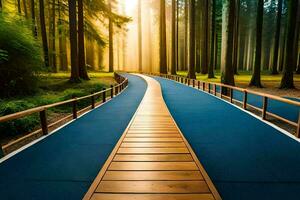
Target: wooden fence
(42, 110)
(226, 92)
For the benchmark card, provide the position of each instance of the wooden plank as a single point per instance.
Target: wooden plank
(153, 175)
(144, 144)
(152, 150)
(161, 187)
(152, 139)
(158, 166)
(154, 135)
(104, 196)
(160, 157)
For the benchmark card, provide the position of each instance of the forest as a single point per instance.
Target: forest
(53, 50)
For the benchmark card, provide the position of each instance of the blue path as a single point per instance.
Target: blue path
(64, 165)
(246, 158)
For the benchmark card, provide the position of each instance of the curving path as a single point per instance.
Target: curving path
(63, 165)
(245, 158)
(152, 160)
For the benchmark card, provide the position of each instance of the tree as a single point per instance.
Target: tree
(287, 80)
(173, 56)
(236, 38)
(34, 28)
(19, 6)
(191, 73)
(227, 76)
(277, 38)
(111, 39)
(73, 41)
(62, 43)
(140, 35)
(52, 37)
(162, 34)
(205, 48)
(186, 29)
(213, 41)
(256, 78)
(1, 5)
(81, 53)
(43, 33)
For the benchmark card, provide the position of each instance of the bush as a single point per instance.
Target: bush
(20, 58)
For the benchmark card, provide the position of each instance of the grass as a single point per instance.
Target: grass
(52, 88)
(270, 82)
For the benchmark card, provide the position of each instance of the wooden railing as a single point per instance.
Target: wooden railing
(211, 88)
(42, 110)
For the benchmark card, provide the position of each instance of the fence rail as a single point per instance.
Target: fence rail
(42, 110)
(226, 91)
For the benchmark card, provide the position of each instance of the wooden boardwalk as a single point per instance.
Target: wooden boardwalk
(152, 160)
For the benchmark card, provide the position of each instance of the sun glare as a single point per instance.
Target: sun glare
(130, 5)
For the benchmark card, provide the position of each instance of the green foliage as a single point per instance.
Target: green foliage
(20, 57)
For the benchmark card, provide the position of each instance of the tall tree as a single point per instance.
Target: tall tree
(227, 76)
(186, 29)
(81, 53)
(1, 6)
(53, 36)
(162, 34)
(236, 37)
(191, 73)
(44, 33)
(62, 43)
(213, 41)
(19, 6)
(205, 48)
(34, 28)
(277, 38)
(73, 41)
(111, 39)
(173, 55)
(25, 9)
(287, 80)
(256, 78)
(140, 35)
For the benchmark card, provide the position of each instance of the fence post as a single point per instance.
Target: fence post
(203, 86)
(193, 83)
(104, 95)
(231, 95)
(215, 89)
(43, 120)
(298, 128)
(265, 106)
(93, 101)
(181, 79)
(221, 91)
(1, 152)
(198, 85)
(245, 99)
(74, 108)
(209, 88)
(111, 91)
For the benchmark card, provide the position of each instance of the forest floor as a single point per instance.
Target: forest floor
(53, 87)
(270, 83)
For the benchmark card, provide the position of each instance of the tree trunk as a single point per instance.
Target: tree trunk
(213, 41)
(81, 54)
(34, 28)
(1, 5)
(162, 30)
(192, 73)
(298, 68)
(227, 76)
(173, 54)
(19, 6)
(53, 36)
(44, 33)
(186, 17)
(205, 49)
(111, 39)
(62, 43)
(177, 35)
(256, 79)
(277, 38)
(25, 9)
(73, 41)
(140, 36)
(236, 38)
(287, 80)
